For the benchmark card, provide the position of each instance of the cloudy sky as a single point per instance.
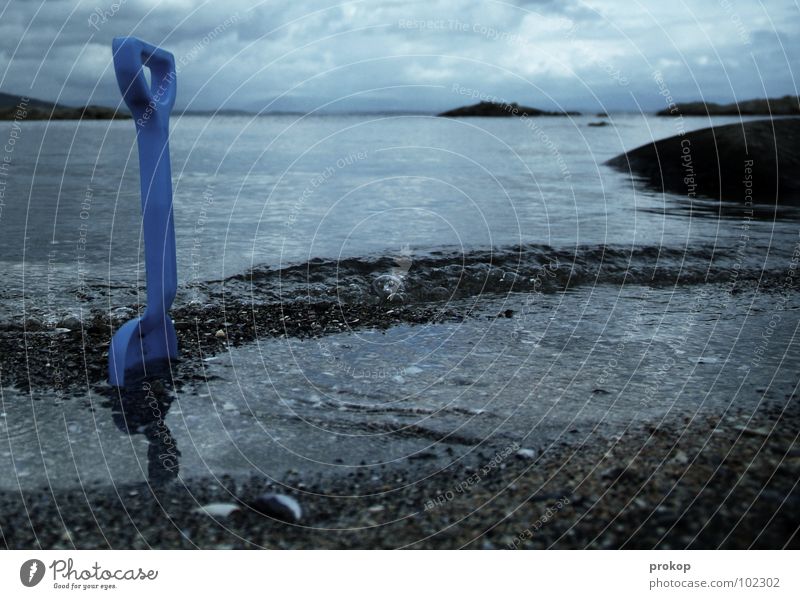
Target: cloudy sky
(405, 55)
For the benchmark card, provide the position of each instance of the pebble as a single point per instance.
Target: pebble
(526, 453)
(278, 506)
(761, 431)
(612, 473)
(71, 323)
(33, 324)
(680, 457)
(121, 313)
(217, 510)
(220, 334)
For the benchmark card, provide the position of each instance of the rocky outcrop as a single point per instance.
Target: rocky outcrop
(500, 109)
(749, 162)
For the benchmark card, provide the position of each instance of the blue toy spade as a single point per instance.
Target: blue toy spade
(148, 343)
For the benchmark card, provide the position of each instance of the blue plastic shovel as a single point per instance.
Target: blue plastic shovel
(149, 343)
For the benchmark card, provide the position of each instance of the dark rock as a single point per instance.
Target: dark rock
(501, 109)
(711, 162)
(598, 124)
(33, 324)
(278, 506)
(425, 455)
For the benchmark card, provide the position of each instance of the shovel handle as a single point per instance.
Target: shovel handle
(150, 108)
(131, 55)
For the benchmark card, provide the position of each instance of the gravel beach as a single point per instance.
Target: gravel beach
(674, 475)
(723, 483)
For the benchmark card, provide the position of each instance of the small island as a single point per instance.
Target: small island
(19, 108)
(785, 106)
(501, 109)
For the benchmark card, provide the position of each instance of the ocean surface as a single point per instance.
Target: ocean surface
(672, 307)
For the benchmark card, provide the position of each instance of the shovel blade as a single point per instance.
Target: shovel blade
(136, 352)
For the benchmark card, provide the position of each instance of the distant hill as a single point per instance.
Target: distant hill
(222, 112)
(41, 110)
(501, 109)
(787, 105)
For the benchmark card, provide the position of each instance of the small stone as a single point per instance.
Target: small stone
(121, 313)
(612, 473)
(526, 453)
(33, 324)
(220, 334)
(71, 323)
(217, 510)
(791, 462)
(278, 506)
(680, 457)
(761, 431)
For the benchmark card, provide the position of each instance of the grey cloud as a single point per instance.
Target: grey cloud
(525, 51)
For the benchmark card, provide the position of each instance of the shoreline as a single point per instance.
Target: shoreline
(71, 357)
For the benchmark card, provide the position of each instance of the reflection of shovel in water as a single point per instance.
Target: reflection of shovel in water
(142, 410)
(149, 342)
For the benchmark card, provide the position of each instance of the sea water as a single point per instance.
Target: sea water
(671, 309)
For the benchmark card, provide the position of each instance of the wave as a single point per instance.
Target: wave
(440, 275)
(420, 275)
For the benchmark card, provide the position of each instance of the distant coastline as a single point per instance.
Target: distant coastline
(785, 106)
(16, 108)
